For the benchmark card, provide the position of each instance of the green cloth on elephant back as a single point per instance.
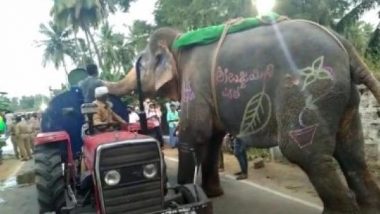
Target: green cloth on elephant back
(2, 125)
(207, 35)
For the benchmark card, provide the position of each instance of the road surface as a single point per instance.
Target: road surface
(240, 198)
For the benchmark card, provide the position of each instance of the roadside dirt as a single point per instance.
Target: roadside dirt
(8, 168)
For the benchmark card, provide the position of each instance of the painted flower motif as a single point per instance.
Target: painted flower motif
(315, 72)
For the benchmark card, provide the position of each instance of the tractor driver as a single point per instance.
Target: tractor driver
(89, 84)
(104, 114)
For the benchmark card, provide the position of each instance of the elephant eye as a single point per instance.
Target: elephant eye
(159, 59)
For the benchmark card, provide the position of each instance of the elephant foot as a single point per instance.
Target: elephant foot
(213, 192)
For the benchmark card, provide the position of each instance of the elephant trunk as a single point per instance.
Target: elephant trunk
(124, 86)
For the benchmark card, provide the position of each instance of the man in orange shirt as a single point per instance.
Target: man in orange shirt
(104, 114)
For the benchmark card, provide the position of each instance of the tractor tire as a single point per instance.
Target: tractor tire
(50, 181)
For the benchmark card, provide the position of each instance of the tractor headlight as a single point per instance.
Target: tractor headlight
(150, 171)
(112, 177)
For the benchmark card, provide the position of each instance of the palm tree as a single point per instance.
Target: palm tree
(57, 45)
(83, 14)
(109, 43)
(361, 6)
(117, 54)
(139, 33)
(86, 15)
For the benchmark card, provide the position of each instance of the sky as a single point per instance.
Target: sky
(21, 70)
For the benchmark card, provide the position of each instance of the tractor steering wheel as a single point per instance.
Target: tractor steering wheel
(104, 127)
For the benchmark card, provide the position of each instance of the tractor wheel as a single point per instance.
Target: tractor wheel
(49, 178)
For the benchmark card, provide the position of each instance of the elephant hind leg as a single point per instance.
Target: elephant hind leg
(322, 173)
(334, 194)
(350, 155)
(317, 161)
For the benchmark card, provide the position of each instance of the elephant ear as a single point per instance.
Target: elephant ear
(166, 69)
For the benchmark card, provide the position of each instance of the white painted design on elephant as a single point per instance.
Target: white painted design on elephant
(318, 71)
(315, 72)
(256, 116)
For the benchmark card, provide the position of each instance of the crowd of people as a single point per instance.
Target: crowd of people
(154, 115)
(22, 130)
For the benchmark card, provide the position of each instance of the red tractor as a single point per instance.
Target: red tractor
(123, 170)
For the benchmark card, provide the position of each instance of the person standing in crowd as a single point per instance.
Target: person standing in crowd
(89, 84)
(12, 134)
(2, 139)
(241, 155)
(154, 114)
(221, 156)
(172, 117)
(23, 136)
(34, 128)
(132, 114)
(30, 132)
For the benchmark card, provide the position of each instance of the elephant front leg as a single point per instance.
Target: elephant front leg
(197, 138)
(205, 153)
(210, 169)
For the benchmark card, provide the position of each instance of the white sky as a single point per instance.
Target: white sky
(21, 71)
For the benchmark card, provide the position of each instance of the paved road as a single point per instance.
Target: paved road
(245, 198)
(239, 198)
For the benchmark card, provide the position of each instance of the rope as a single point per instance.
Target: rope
(227, 26)
(325, 30)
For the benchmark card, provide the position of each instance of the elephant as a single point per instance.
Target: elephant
(291, 84)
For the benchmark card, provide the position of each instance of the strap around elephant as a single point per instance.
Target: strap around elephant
(227, 26)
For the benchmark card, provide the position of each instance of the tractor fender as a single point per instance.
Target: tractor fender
(63, 139)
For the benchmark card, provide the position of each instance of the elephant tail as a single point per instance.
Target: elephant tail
(360, 72)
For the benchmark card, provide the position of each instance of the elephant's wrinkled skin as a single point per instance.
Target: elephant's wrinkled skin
(291, 84)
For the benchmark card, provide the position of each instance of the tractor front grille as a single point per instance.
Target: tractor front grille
(134, 193)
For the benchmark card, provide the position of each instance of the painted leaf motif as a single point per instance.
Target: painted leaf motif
(256, 114)
(318, 63)
(322, 74)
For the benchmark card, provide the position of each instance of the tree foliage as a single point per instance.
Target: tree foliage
(57, 45)
(138, 35)
(27, 103)
(192, 14)
(116, 51)
(5, 103)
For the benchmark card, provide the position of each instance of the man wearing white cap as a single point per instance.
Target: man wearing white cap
(104, 114)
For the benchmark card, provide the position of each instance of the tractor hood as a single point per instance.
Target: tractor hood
(92, 142)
